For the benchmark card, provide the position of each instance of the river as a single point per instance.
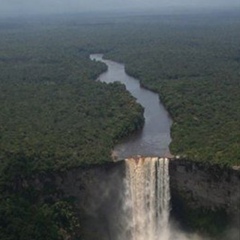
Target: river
(154, 138)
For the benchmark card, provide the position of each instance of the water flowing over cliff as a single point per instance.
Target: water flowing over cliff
(130, 200)
(147, 197)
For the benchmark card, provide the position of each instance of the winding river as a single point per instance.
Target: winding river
(154, 138)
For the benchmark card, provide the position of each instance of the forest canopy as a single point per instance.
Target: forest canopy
(54, 115)
(194, 65)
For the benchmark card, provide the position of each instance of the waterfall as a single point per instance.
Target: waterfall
(147, 197)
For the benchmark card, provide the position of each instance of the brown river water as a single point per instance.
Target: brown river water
(154, 138)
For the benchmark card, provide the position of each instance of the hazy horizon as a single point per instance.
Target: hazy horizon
(31, 7)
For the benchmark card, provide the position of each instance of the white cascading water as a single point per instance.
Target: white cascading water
(147, 197)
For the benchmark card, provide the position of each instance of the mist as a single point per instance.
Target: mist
(30, 7)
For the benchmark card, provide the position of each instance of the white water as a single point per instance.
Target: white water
(147, 199)
(147, 202)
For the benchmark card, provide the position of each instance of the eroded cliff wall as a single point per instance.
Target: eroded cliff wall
(97, 192)
(205, 196)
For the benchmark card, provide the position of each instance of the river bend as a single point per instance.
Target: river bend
(154, 138)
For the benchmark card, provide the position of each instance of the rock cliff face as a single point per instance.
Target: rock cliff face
(203, 196)
(97, 191)
(212, 191)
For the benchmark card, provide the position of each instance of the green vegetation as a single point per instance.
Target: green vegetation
(193, 63)
(54, 116)
(51, 109)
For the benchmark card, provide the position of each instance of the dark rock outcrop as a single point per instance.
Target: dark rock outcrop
(208, 192)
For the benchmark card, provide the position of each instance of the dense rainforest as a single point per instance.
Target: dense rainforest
(194, 66)
(54, 116)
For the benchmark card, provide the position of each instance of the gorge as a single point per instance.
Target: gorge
(202, 197)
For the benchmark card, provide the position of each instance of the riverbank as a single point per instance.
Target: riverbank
(154, 138)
